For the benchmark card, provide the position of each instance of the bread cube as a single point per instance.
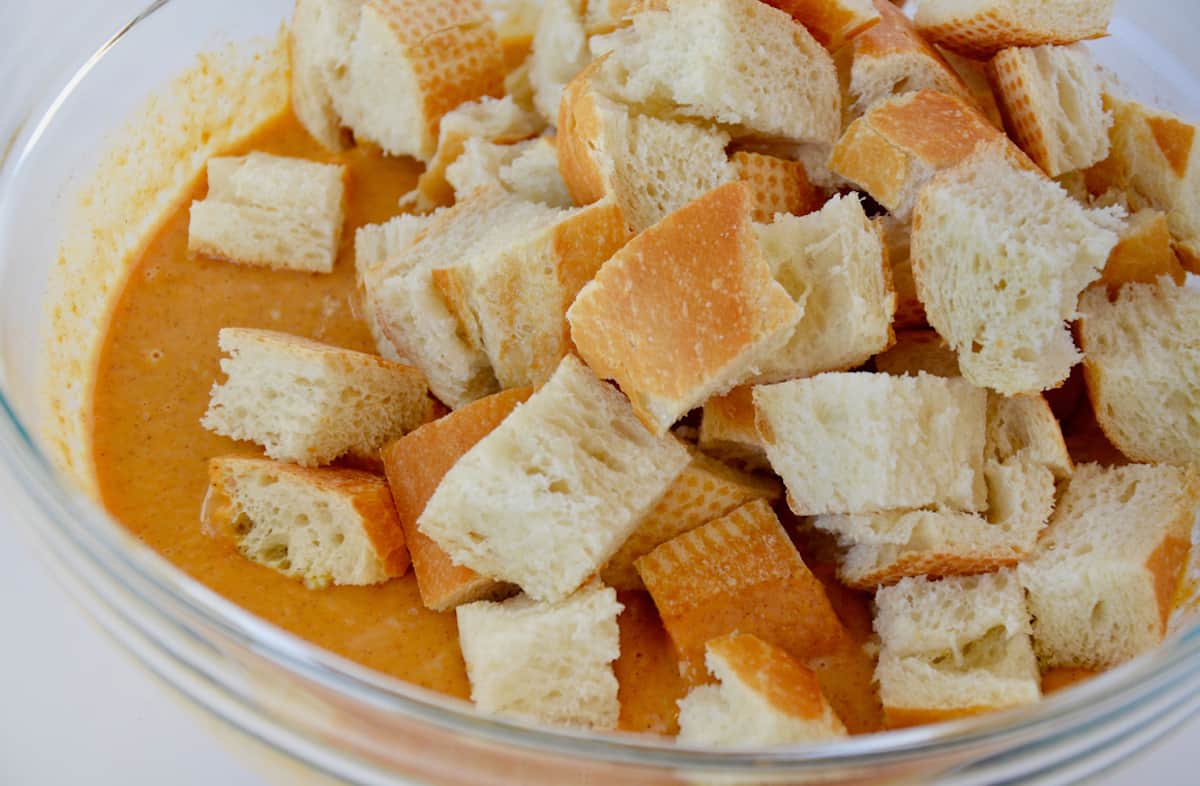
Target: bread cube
(704, 491)
(916, 351)
(866, 443)
(980, 29)
(545, 662)
(324, 526)
(271, 211)
(897, 242)
(1103, 580)
(955, 647)
(974, 74)
(549, 496)
(685, 311)
(319, 41)
(695, 58)
(777, 185)
(650, 166)
(1142, 254)
(892, 58)
(374, 245)
(765, 697)
(1052, 104)
(416, 464)
(1153, 161)
(739, 574)
(560, 51)
(412, 61)
(728, 430)
(894, 149)
(1000, 256)
(533, 175)
(833, 264)
(1142, 366)
(310, 403)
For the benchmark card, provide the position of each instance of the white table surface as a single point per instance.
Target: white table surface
(75, 710)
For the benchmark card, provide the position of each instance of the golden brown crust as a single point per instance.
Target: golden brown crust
(982, 35)
(367, 493)
(1060, 678)
(1167, 562)
(831, 22)
(1174, 139)
(777, 185)
(1142, 254)
(580, 129)
(906, 717)
(896, 37)
(973, 74)
(739, 573)
(415, 465)
(935, 565)
(788, 686)
(680, 304)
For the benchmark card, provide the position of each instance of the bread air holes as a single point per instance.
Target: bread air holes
(242, 525)
(1099, 614)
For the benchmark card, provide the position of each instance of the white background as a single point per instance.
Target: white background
(76, 710)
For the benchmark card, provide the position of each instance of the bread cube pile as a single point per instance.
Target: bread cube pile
(691, 278)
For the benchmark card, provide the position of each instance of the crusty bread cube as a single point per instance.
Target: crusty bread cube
(899, 144)
(546, 662)
(897, 239)
(498, 120)
(892, 58)
(324, 526)
(310, 403)
(1053, 106)
(695, 58)
(739, 574)
(974, 74)
(980, 28)
(412, 61)
(510, 291)
(1103, 580)
(375, 244)
(283, 213)
(1155, 163)
(1142, 366)
(1000, 256)
(916, 351)
(832, 22)
(528, 170)
(955, 647)
(704, 491)
(883, 548)
(777, 185)
(1143, 253)
(865, 443)
(685, 311)
(415, 465)
(650, 166)
(765, 697)
(560, 51)
(834, 265)
(319, 41)
(516, 22)
(728, 430)
(548, 497)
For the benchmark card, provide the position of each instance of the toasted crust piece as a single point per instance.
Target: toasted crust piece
(548, 497)
(1142, 366)
(319, 40)
(974, 75)
(954, 647)
(1103, 581)
(498, 120)
(897, 146)
(1155, 163)
(413, 61)
(892, 58)
(833, 264)
(1000, 255)
(685, 311)
(693, 58)
(742, 574)
(650, 166)
(273, 211)
(980, 29)
(311, 403)
(704, 491)
(549, 662)
(1052, 104)
(1142, 254)
(325, 526)
(728, 430)
(865, 443)
(832, 22)
(765, 697)
(415, 465)
(916, 351)
(777, 185)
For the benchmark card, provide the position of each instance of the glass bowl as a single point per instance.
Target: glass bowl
(68, 89)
